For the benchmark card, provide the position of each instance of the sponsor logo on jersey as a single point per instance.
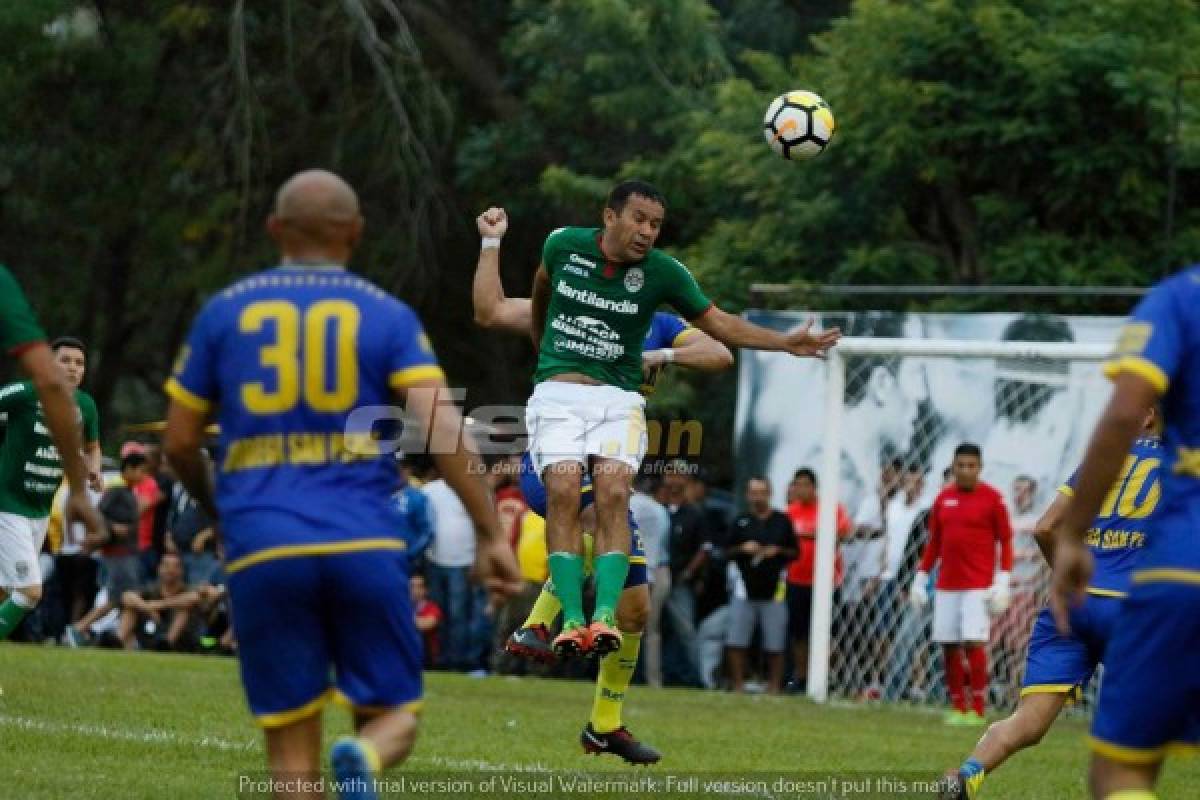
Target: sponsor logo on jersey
(634, 279)
(951, 502)
(575, 258)
(589, 298)
(38, 427)
(1187, 462)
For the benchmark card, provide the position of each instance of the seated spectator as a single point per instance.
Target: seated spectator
(429, 618)
(190, 533)
(117, 545)
(162, 616)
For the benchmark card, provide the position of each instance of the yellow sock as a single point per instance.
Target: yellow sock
(616, 671)
(545, 609)
(1132, 794)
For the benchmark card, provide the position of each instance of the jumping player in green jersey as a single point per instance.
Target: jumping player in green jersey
(594, 297)
(42, 443)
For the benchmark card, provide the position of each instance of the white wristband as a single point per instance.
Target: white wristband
(668, 355)
(490, 243)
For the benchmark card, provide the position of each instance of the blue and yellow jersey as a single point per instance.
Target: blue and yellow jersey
(666, 330)
(285, 359)
(1161, 343)
(1119, 531)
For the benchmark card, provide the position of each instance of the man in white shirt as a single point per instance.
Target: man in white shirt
(654, 525)
(450, 558)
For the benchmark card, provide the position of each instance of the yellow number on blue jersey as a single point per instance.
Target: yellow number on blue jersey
(281, 356)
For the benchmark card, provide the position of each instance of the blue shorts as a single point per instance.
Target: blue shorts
(535, 495)
(1064, 664)
(1150, 698)
(315, 628)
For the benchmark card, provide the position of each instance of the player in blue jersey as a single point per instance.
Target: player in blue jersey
(295, 363)
(669, 341)
(1058, 665)
(1150, 702)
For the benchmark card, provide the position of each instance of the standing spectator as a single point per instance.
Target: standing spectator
(966, 522)
(158, 469)
(1029, 576)
(148, 497)
(761, 546)
(161, 616)
(76, 568)
(413, 505)
(654, 526)
(894, 627)
(688, 549)
(450, 559)
(190, 533)
(865, 555)
(118, 546)
(510, 502)
(429, 618)
(802, 511)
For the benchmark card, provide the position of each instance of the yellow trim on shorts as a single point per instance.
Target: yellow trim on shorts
(1105, 592)
(683, 334)
(410, 375)
(1140, 756)
(176, 392)
(1051, 688)
(637, 559)
(412, 706)
(323, 549)
(281, 718)
(1066, 491)
(1142, 367)
(1167, 575)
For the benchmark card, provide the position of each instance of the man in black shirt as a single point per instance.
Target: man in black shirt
(761, 545)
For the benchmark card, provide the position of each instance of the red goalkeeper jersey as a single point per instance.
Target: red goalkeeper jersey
(964, 528)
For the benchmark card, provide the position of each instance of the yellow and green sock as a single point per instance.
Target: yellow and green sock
(545, 608)
(612, 682)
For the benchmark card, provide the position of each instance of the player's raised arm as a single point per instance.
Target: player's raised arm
(463, 470)
(737, 332)
(494, 309)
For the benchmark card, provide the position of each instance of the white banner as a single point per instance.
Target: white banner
(1030, 417)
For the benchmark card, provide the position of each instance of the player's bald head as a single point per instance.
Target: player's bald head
(315, 211)
(316, 196)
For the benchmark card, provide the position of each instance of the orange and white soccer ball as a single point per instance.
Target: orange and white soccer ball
(798, 124)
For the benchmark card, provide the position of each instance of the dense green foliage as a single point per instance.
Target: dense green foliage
(997, 141)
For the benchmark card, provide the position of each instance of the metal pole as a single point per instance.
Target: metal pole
(826, 545)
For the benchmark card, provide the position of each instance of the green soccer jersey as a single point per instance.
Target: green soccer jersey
(30, 467)
(18, 326)
(600, 311)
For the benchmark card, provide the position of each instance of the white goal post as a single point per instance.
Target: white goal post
(1060, 355)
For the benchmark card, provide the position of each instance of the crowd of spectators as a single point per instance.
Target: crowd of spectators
(731, 595)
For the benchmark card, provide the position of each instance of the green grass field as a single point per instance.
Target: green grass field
(98, 724)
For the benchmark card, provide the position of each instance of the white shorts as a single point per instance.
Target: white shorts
(21, 540)
(571, 421)
(961, 616)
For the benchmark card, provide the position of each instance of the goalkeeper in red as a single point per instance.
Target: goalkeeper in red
(966, 523)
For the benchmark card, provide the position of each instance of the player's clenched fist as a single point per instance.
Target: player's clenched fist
(493, 222)
(496, 568)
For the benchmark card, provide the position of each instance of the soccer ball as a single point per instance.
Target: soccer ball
(798, 124)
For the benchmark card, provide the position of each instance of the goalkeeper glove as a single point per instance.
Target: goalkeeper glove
(918, 594)
(1000, 595)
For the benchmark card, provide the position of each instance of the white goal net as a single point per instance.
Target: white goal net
(1028, 405)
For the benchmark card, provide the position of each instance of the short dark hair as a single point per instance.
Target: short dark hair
(968, 449)
(806, 472)
(68, 341)
(621, 193)
(132, 461)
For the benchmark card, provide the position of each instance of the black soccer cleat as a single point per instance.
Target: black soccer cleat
(952, 787)
(619, 743)
(532, 643)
